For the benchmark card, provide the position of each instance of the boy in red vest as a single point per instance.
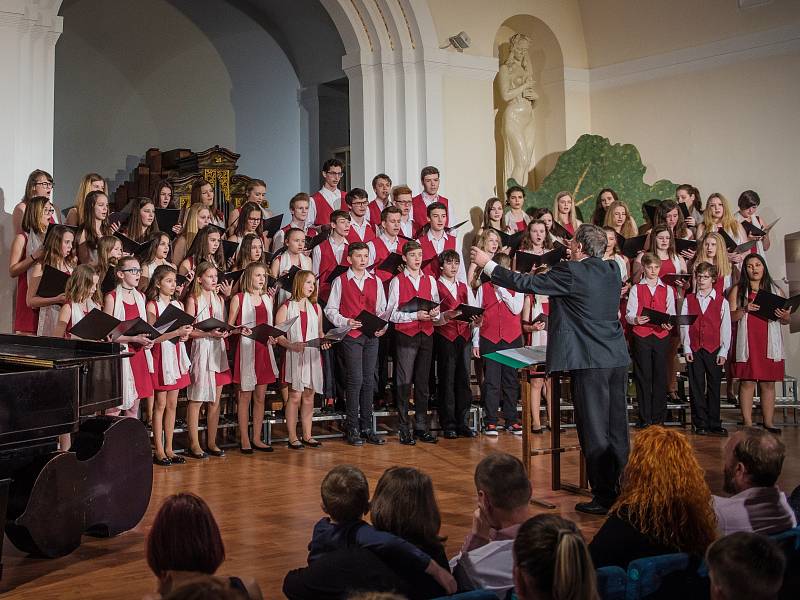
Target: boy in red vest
(352, 292)
(436, 240)
(382, 186)
(705, 345)
(332, 252)
(451, 342)
(298, 206)
(500, 329)
(430, 194)
(413, 344)
(401, 197)
(329, 198)
(361, 230)
(650, 343)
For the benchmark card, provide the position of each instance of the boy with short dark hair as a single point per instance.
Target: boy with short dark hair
(429, 177)
(329, 197)
(361, 230)
(298, 206)
(436, 240)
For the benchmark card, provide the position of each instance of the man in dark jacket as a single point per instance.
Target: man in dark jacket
(585, 339)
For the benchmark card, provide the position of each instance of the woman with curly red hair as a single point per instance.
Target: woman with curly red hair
(664, 505)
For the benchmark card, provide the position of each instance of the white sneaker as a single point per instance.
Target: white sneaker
(491, 430)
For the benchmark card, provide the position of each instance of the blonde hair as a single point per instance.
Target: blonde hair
(190, 228)
(728, 220)
(720, 259)
(200, 270)
(628, 228)
(573, 216)
(83, 190)
(80, 283)
(299, 282)
(246, 282)
(104, 247)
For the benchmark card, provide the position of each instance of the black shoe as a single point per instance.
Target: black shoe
(295, 445)
(219, 453)
(591, 508)
(161, 462)
(718, 431)
(264, 448)
(373, 438)
(701, 431)
(407, 439)
(246, 450)
(539, 431)
(466, 432)
(177, 460)
(640, 425)
(773, 430)
(191, 454)
(354, 438)
(450, 434)
(425, 436)
(328, 409)
(312, 443)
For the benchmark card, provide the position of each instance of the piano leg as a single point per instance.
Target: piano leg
(5, 485)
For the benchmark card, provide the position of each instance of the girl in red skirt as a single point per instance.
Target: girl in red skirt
(26, 250)
(124, 303)
(170, 364)
(254, 366)
(758, 349)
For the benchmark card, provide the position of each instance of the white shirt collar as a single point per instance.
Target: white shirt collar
(429, 199)
(711, 294)
(351, 274)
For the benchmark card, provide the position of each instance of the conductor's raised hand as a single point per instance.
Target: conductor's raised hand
(479, 257)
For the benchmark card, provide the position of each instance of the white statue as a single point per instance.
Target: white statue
(516, 87)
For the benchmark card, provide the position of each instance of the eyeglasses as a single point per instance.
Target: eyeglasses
(134, 270)
(334, 173)
(48, 185)
(49, 211)
(360, 203)
(703, 276)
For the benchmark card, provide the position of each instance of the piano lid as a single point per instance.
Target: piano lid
(50, 352)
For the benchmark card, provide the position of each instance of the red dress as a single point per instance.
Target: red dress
(758, 367)
(26, 319)
(141, 372)
(158, 374)
(264, 374)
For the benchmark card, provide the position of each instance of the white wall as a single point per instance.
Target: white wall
(130, 76)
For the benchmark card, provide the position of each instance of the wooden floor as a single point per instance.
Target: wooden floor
(266, 506)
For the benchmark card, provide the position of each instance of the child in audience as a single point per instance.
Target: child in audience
(748, 203)
(758, 351)
(705, 346)
(210, 370)
(298, 207)
(436, 240)
(345, 499)
(302, 365)
(650, 343)
(361, 230)
(254, 366)
(451, 342)
(413, 343)
(515, 219)
(170, 364)
(59, 253)
(126, 302)
(352, 292)
(91, 182)
(500, 330)
(26, 250)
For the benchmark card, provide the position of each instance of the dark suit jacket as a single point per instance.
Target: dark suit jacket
(583, 330)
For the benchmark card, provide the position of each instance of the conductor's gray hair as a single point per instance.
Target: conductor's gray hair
(592, 239)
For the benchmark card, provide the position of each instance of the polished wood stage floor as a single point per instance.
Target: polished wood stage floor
(266, 506)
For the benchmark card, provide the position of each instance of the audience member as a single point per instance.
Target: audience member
(745, 565)
(551, 560)
(504, 492)
(664, 505)
(753, 462)
(185, 543)
(205, 588)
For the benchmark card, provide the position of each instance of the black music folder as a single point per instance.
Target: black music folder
(232, 276)
(337, 271)
(454, 227)
(755, 231)
(174, 317)
(417, 304)
(392, 263)
(510, 240)
(167, 218)
(332, 337)
(673, 278)
(768, 303)
(53, 282)
(109, 281)
(229, 250)
(650, 211)
(684, 209)
(559, 230)
(526, 262)
(313, 242)
(370, 323)
(272, 225)
(134, 248)
(286, 281)
(211, 324)
(95, 326)
(685, 245)
(133, 327)
(656, 316)
(467, 312)
(261, 333)
(632, 246)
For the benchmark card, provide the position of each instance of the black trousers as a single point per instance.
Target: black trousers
(453, 392)
(359, 356)
(385, 350)
(412, 361)
(602, 420)
(705, 377)
(649, 357)
(500, 383)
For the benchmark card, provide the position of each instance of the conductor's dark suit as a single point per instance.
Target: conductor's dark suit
(585, 338)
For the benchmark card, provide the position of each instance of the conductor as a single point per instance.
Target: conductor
(585, 339)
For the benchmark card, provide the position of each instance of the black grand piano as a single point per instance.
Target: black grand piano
(102, 486)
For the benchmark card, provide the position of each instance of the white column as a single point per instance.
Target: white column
(310, 163)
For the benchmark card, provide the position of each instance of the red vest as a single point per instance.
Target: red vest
(656, 302)
(428, 251)
(453, 329)
(369, 234)
(381, 253)
(406, 294)
(327, 264)
(374, 214)
(310, 231)
(705, 331)
(419, 210)
(354, 300)
(324, 210)
(499, 323)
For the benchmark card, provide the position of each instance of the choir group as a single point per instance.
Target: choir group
(318, 306)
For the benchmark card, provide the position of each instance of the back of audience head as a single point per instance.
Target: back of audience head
(745, 565)
(753, 458)
(184, 537)
(376, 596)
(404, 504)
(503, 486)
(664, 493)
(551, 560)
(205, 588)
(345, 494)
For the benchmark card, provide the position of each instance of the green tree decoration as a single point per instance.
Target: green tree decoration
(592, 164)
